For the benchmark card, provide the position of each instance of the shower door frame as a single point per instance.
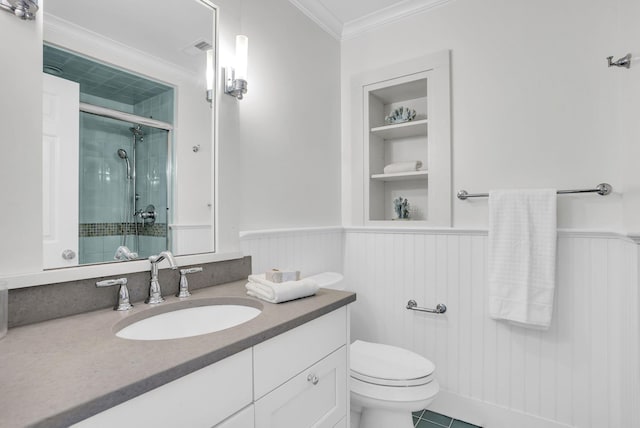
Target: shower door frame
(152, 123)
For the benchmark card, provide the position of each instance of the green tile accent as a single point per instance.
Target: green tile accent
(418, 414)
(437, 418)
(461, 424)
(111, 229)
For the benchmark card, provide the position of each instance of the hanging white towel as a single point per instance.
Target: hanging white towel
(258, 286)
(522, 256)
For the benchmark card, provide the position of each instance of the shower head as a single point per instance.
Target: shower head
(122, 154)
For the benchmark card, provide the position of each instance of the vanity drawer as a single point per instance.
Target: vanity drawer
(195, 400)
(284, 356)
(317, 396)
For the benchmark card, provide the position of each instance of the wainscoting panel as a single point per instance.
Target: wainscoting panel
(310, 251)
(575, 374)
(583, 372)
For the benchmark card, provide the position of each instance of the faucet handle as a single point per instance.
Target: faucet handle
(123, 303)
(183, 291)
(111, 282)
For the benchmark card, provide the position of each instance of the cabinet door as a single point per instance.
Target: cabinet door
(317, 397)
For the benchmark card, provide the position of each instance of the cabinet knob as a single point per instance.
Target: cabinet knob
(68, 254)
(313, 378)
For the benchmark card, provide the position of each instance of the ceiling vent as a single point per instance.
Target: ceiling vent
(198, 47)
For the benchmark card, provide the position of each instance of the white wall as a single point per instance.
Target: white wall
(309, 250)
(289, 121)
(629, 110)
(21, 140)
(533, 102)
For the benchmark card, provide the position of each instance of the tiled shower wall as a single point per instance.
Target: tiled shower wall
(103, 178)
(582, 372)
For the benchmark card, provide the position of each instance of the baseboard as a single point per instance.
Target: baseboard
(487, 415)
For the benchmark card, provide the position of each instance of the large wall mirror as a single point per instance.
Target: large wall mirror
(128, 130)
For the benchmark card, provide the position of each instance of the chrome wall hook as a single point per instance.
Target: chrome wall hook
(625, 61)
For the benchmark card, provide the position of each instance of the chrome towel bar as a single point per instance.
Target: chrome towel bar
(440, 308)
(601, 189)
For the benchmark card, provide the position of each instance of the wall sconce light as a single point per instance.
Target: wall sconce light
(209, 75)
(23, 9)
(236, 78)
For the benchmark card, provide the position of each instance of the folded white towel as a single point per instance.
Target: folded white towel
(522, 256)
(273, 292)
(403, 167)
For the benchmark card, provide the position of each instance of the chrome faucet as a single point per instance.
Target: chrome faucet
(155, 294)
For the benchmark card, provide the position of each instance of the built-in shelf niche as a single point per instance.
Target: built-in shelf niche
(426, 138)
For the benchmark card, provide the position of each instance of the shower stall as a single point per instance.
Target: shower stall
(124, 185)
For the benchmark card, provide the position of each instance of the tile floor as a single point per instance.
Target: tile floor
(427, 419)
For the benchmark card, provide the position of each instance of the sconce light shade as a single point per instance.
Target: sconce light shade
(242, 52)
(23, 9)
(209, 75)
(236, 78)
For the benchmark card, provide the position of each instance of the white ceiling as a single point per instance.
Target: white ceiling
(150, 26)
(345, 19)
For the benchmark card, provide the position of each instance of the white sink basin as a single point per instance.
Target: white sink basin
(188, 322)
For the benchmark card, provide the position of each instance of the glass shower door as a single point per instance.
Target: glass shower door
(123, 190)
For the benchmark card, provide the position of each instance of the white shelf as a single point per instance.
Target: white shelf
(414, 128)
(409, 175)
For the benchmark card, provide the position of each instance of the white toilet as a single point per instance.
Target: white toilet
(388, 384)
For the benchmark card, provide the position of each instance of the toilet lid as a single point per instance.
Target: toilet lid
(389, 365)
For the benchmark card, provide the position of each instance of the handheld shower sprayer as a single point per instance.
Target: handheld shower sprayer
(122, 153)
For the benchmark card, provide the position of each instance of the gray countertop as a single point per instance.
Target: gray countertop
(58, 372)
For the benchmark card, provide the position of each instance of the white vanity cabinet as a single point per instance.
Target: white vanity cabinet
(200, 399)
(298, 375)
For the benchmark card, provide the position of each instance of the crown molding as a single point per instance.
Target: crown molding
(388, 15)
(322, 16)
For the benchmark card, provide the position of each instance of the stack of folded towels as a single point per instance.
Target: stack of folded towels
(397, 167)
(277, 292)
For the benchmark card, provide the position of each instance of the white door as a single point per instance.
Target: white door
(60, 159)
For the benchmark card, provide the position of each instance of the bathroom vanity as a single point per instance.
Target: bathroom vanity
(287, 364)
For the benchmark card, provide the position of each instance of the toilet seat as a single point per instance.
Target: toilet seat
(387, 365)
(391, 382)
